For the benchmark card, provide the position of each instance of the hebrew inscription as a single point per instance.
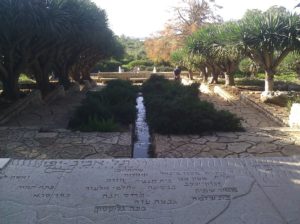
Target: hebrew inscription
(163, 191)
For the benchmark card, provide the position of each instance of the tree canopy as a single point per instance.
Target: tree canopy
(42, 37)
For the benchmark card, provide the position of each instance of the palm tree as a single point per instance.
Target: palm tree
(217, 44)
(268, 37)
(45, 36)
(227, 51)
(17, 27)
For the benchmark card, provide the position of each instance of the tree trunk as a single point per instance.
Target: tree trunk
(190, 75)
(269, 81)
(205, 77)
(65, 81)
(229, 79)
(11, 88)
(43, 84)
(86, 76)
(214, 79)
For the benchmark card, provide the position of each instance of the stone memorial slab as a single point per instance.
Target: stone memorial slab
(151, 191)
(3, 162)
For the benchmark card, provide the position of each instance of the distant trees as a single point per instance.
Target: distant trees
(42, 37)
(189, 16)
(159, 47)
(134, 48)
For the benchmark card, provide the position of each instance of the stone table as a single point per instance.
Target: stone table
(151, 191)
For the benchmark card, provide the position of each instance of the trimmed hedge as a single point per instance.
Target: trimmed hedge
(176, 109)
(107, 110)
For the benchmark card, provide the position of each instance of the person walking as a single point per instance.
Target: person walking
(177, 72)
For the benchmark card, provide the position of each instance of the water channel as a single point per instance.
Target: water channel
(142, 143)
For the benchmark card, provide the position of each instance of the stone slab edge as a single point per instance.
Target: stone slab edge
(4, 162)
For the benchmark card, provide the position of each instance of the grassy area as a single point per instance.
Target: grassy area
(24, 79)
(291, 78)
(259, 81)
(108, 110)
(176, 109)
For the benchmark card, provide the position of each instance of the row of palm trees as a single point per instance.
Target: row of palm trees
(264, 37)
(64, 38)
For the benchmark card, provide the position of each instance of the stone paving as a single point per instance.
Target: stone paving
(32, 143)
(262, 142)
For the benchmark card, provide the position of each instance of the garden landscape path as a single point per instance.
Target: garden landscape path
(40, 132)
(262, 137)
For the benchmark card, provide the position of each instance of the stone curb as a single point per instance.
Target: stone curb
(34, 97)
(224, 94)
(244, 98)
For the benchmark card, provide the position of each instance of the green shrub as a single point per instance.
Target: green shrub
(95, 124)
(290, 64)
(114, 104)
(250, 82)
(139, 63)
(248, 67)
(107, 66)
(176, 109)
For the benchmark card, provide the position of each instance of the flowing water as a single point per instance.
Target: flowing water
(142, 142)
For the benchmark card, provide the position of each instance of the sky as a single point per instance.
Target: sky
(141, 18)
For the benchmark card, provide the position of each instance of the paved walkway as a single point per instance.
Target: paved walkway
(53, 115)
(40, 132)
(251, 117)
(262, 138)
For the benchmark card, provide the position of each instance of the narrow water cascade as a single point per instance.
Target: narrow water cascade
(142, 141)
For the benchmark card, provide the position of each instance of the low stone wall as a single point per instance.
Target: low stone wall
(224, 94)
(34, 97)
(206, 88)
(141, 76)
(276, 113)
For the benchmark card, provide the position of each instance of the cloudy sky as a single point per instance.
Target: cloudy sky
(141, 18)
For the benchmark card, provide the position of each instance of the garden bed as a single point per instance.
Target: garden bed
(176, 109)
(109, 110)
